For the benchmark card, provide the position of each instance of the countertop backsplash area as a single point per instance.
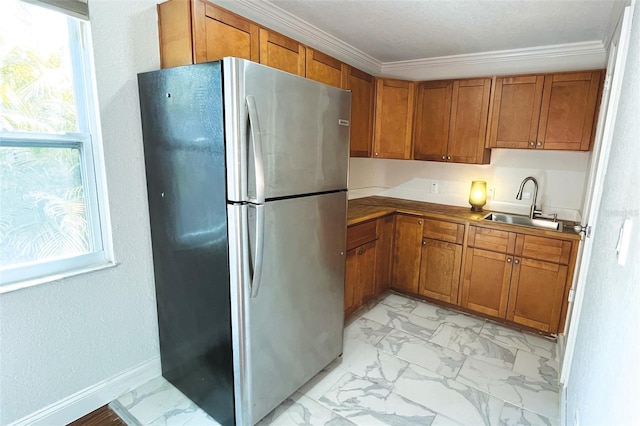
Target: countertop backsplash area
(561, 177)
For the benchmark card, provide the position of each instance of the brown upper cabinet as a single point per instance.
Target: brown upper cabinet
(552, 111)
(451, 121)
(393, 119)
(362, 86)
(191, 32)
(283, 53)
(324, 68)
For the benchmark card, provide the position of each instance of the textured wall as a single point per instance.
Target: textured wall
(561, 176)
(603, 386)
(62, 337)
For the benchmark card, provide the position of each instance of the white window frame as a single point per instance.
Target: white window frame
(88, 141)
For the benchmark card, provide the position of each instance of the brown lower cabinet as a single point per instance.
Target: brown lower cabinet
(368, 261)
(427, 257)
(518, 277)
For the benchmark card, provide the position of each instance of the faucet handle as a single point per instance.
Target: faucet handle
(535, 212)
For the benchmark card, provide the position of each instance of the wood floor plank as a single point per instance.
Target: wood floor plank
(103, 416)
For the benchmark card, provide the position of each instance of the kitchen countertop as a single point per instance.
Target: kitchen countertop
(368, 208)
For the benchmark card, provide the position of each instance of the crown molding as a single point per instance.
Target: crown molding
(554, 58)
(277, 19)
(560, 57)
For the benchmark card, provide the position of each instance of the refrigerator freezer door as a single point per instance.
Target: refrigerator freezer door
(300, 128)
(293, 325)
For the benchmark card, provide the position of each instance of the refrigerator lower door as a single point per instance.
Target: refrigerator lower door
(292, 325)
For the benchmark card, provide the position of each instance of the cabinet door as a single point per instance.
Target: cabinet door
(516, 111)
(384, 253)
(174, 31)
(537, 290)
(323, 68)
(365, 287)
(568, 110)
(440, 270)
(431, 128)
(283, 53)
(394, 117)
(406, 253)
(468, 125)
(362, 87)
(220, 33)
(350, 280)
(486, 282)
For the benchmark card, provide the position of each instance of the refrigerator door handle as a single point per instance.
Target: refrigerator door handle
(254, 125)
(259, 256)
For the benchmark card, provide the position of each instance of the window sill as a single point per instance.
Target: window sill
(7, 288)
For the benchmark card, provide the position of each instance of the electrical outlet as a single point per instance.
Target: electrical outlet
(526, 195)
(491, 193)
(434, 188)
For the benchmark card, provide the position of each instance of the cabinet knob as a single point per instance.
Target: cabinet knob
(509, 260)
(444, 158)
(531, 143)
(419, 222)
(376, 154)
(539, 143)
(448, 157)
(424, 243)
(516, 261)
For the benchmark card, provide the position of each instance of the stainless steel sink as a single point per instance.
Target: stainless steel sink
(524, 221)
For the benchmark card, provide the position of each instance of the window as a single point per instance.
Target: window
(52, 218)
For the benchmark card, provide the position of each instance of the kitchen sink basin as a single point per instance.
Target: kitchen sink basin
(524, 221)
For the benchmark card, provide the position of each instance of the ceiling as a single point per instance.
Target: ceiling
(401, 30)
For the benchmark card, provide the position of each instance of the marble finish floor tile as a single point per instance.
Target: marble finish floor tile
(441, 420)
(404, 362)
(459, 402)
(519, 340)
(301, 410)
(186, 414)
(465, 341)
(418, 351)
(445, 316)
(365, 330)
(366, 403)
(537, 367)
(401, 320)
(153, 400)
(516, 416)
(515, 388)
(362, 360)
(398, 302)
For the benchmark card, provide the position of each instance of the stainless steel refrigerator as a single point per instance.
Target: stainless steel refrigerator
(246, 174)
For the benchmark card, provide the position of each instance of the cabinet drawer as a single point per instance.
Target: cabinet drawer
(492, 239)
(541, 248)
(361, 234)
(443, 231)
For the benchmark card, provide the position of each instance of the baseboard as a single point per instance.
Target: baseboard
(85, 401)
(561, 347)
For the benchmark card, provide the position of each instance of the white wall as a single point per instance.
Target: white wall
(561, 177)
(61, 338)
(604, 380)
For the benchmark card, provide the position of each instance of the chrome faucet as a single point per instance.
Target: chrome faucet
(533, 211)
